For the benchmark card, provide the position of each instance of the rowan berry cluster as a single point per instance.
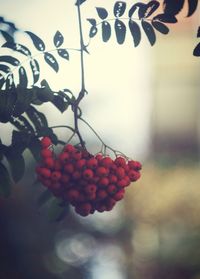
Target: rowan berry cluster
(86, 181)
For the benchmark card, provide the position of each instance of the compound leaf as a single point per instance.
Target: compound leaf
(58, 39)
(38, 118)
(51, 61)
(38, 42)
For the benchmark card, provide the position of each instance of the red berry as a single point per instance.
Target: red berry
(88, 174)
(72, 195)
(135, 165)
(90, 188)
(63, 157)
(101, 171)
(122, 183)
(76, 175)
(49, 162)
(111, 189)
(45, 172)
(103, 181)
(56, 175)
(106, 162)
(92, 163)
(99, 157)
(65, 178)
(69, 168)
(83, 209)
(119, 195)
(57, 165)
(120, 172)
(80, 164)
(76, 155)
(133, 175)
(69, 148)
(101, 194)
(100, 207)
(112, 178)
(120, 162)
(46, 182)
(46, 153)
(110, 203)
(55, 186)
(45, 142)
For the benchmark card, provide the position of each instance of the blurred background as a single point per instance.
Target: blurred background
(144, 102)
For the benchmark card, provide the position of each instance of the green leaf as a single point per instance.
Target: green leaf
(56, 210)
(16, 162)
(5, 182)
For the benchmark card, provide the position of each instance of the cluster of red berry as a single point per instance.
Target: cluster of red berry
(87, 182)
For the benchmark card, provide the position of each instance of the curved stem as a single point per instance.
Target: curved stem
(63, 126)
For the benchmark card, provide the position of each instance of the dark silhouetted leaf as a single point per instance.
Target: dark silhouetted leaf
(35, 148)
(198, 32)
(93, 31)
(45, 95)
(159, 26)
(79, 2)
(119, 8)
(38, 42)
(165, 18)
(5, 182)
(132, 10)
(9, 59)
(58, 39)
(196, 51)
(192, 5)
(4, 68)
(38, 118)
(173, 7)
(2, 81)
(63, 53)
(23, 80)
(17, 47)
(59, 103)
(120, 31)
(51, 61)
(7, 37)
(35, 70)
(10, 82)
(20, 140)
(57, 211)
(151, 7)
(16, 163)
(7, 102)
(44, 198)
(92, 21)
(22, 124)
(135, 32)
(23, 101)
(106, 31)
(149, 31)
(3, 149)
(102, 13)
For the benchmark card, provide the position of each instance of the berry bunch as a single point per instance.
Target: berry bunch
(87, 182)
